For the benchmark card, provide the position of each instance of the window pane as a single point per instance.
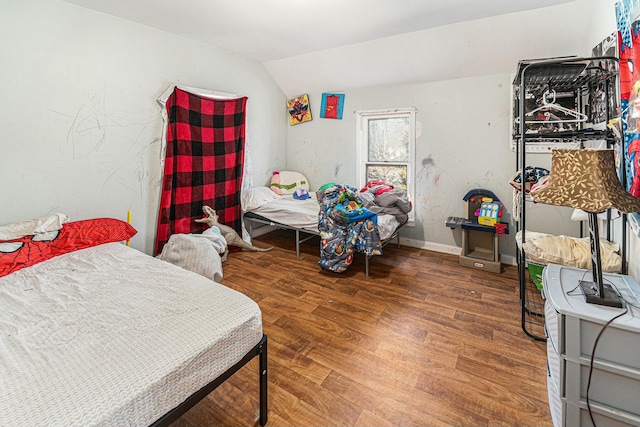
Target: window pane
(394, 175)
(389, 140)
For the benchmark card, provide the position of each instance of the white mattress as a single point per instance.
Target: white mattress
(111, 336)
(299, 213)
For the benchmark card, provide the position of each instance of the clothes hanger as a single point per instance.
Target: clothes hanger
(547, 106)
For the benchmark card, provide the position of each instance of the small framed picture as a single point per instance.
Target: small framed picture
(332, 105)
(299, 110)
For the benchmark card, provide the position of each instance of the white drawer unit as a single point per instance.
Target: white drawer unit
(572, 326)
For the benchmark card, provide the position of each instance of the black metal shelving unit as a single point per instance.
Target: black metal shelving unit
(578, 79)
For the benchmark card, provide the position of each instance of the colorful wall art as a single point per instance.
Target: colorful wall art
(332, 104)
(299, 110)
(627, 13)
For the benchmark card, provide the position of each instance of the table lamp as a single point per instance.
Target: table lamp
(586, 179)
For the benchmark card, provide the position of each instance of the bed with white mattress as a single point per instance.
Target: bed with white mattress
(263, 206)
(110, 336)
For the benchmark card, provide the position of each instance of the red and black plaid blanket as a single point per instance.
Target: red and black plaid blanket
(203, 163)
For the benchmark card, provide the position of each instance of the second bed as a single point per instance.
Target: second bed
(263, 206)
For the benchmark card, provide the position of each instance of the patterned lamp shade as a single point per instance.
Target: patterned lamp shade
(585, 179)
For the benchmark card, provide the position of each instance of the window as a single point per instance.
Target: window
(386, 145)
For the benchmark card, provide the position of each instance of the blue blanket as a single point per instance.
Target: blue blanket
(345, 227)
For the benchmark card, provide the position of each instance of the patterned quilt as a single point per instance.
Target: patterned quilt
(345, 227)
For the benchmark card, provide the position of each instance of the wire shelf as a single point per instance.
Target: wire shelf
(576, 86)
(533, 310)
(569, 136)
(570, 74)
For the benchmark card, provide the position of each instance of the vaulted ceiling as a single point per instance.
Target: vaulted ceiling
(276, 32)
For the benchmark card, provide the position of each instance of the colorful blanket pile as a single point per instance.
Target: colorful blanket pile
(345, 227)
(384, 199)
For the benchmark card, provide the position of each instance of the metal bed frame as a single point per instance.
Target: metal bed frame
(253, 217)
(259, 350)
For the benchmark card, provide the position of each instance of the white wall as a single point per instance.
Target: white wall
(602, 22)
(464, 122)
(463, 143)
(79, 118)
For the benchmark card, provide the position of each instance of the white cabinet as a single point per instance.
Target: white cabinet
(572, 327)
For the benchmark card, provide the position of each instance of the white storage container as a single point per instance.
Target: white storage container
(572, 326)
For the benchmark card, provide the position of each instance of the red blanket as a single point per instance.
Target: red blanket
(203, 163)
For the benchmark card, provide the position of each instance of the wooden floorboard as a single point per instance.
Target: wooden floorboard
(421, 342)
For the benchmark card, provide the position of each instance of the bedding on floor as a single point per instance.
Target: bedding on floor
(199, 253)
(107, 335)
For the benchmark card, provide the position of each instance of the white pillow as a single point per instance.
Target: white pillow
(253, 198)
(287, 182)
(30, 227)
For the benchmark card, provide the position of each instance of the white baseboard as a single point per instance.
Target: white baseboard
(508, 259)
(447, 249)
(431, 246)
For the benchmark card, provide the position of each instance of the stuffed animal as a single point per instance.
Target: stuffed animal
(230, 235)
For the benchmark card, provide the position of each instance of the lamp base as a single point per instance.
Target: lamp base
(610, 299)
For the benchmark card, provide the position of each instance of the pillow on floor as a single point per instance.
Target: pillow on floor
(195, 252)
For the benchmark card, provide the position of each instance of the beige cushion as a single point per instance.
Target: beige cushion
(569, 251)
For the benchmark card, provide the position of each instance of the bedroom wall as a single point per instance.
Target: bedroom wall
(79, 118)
(463, 140)
(602, 22)
(462, 144)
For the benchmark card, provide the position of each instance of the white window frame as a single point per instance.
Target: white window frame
(362, 139)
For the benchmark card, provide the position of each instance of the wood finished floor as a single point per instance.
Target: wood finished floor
(421, 342)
